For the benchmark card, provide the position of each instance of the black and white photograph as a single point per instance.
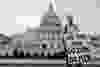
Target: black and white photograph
(49, 33)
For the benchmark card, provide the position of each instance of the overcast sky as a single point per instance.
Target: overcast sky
(9, 9)
(86, 9)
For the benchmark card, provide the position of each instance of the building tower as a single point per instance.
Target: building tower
(50, 19)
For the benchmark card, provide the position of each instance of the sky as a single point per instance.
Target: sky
(10, 9)
(87, 10)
